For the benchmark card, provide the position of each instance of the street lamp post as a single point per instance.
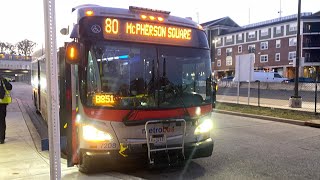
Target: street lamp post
(296, 101)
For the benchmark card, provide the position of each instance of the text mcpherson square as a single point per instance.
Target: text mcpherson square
(146, 29)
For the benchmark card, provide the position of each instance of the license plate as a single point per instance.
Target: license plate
(158, 139)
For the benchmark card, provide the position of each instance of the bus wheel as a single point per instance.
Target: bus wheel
(34, 99)
(85, 165)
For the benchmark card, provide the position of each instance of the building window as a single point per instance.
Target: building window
(264, 58)
(239, 37)
(278, 30)
(293, 27)
(218, 52)
(264, 32)
(307, 57)
(251, 48)
(278, 43)
(219, 63)
(292, 55)
(264, 45)
(218, 41)
(229, 39)
(229, 62)
(293, 41)
(229, 51)
(252, 34)
(277, 57)
(239, 49)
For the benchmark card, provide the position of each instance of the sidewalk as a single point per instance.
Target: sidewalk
(21, 156)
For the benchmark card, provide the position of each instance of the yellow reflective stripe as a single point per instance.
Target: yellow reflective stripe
(7, 98)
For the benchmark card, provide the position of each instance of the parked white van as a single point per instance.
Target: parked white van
(267, 77)
(261, 76)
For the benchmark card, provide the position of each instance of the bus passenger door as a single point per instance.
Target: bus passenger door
(65, 95)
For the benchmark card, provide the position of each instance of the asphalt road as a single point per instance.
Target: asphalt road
(248, 148)
(245, 148)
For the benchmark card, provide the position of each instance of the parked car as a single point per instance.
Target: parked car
(300, 80)
(228, 78)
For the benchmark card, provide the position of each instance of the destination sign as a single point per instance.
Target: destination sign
(140, 31)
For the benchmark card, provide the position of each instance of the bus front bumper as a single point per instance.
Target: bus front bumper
(139, 154)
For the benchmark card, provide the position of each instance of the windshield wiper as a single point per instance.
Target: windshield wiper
(175, 91)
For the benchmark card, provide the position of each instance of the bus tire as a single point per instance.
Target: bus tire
(85, 165)
(34, 99)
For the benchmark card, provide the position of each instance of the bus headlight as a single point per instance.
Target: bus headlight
(204, 127)
(91, 133)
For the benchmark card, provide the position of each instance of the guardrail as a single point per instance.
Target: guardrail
(269, 94)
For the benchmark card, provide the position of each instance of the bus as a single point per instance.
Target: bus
(135, 85)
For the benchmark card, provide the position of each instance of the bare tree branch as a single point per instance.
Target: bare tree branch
(25, 47)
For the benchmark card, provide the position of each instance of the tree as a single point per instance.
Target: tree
(10, 48)
(3, 47)
(25, 47)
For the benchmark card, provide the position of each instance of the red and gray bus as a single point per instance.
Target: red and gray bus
(134, 84)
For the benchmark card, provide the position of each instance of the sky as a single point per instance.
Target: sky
(23, 19)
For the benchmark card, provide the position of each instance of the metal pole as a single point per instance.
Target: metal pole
(316, 92)
(52, 89)
(258, 93)
(296, 95)
(238, 89)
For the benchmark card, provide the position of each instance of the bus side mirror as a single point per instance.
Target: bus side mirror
(73, 53)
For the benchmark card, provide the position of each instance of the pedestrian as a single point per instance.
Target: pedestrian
(5, 99)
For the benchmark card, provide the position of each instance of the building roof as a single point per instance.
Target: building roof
(234, 27)
(280, 20)
(226, 21)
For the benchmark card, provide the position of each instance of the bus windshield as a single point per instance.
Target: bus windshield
(133, 76)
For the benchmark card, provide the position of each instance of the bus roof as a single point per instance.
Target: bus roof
(131, 13)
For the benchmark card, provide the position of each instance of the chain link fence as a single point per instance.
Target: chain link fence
(267, 94)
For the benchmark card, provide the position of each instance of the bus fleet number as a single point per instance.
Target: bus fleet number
(108, 145)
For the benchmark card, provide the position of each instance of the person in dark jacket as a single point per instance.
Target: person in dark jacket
(5, 99)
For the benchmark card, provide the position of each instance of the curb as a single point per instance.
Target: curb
(42, 132)
(269, 118)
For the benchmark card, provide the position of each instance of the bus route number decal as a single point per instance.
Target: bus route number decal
(108, 145)
(112, 26)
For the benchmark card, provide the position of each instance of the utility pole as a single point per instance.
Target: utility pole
(198, 16)
(280, 11)
(296, 101)
(249, 15)
(298, 51)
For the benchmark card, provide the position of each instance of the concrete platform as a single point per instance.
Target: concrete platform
(21, 156)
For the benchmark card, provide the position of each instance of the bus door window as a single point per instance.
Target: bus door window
(93, 77)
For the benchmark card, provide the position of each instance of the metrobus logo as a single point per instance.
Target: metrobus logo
(156, 130)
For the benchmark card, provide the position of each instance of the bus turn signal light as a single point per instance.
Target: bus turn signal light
(73, 53)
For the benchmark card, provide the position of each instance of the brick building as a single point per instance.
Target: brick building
(272, 42)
